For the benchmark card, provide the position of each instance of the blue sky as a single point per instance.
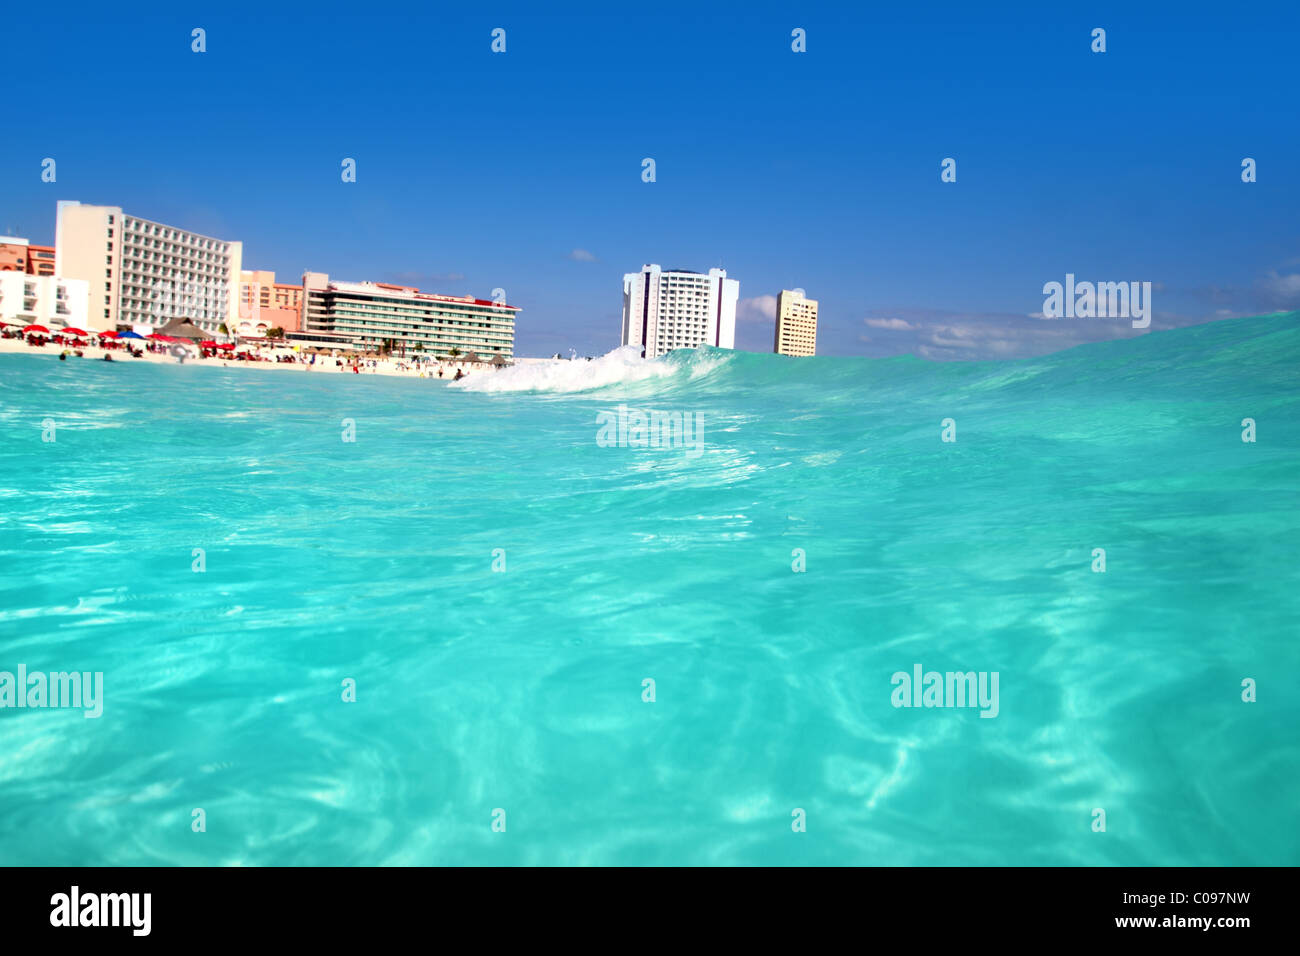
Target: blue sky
(817, 170)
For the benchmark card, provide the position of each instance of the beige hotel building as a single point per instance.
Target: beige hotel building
(143, 273)
(796, 324)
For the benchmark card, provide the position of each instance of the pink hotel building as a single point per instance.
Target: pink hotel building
(265, 304)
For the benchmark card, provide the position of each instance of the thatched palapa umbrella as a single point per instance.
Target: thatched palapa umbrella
(182, 328)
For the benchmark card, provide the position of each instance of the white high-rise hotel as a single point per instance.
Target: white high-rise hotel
(663, 311)
(145, 273)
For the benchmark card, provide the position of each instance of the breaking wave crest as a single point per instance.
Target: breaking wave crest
(622, 366)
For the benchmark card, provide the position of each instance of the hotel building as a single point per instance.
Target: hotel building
(143, 273)
(265, 304)
(19, 255)
(40, 260)
(51, 301)
(374, 313)
(796, 324)
(663, 311)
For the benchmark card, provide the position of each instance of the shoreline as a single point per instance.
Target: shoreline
(324, 364)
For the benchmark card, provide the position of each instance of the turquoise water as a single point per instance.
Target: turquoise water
(522, 689)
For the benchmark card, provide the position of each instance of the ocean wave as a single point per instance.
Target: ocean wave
(621, 366)
(1198, 357)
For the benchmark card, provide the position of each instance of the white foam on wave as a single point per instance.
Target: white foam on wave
(619, 367)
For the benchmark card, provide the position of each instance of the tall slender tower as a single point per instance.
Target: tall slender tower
(796, 324)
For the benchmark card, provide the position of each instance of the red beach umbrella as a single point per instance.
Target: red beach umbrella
(107, 335)
(36, 328)
(79, 333)
(226, 345)
(210, 344)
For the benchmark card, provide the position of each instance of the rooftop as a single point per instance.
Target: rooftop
(405, 291)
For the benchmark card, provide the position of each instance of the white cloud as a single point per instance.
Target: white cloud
(946, 336)
(1283, 290)
(582, 255)
(757, 309)
(958, 337)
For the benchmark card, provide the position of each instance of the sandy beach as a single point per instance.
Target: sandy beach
(393, 365)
